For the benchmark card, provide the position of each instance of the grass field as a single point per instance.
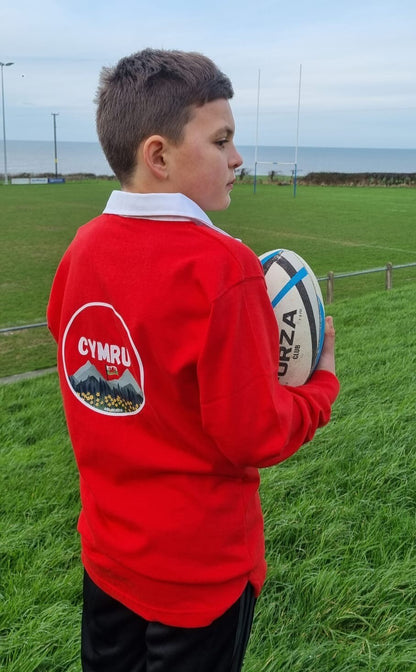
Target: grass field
(336, 229)
(339, 516)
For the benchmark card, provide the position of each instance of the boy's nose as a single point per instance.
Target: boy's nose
(237, 159)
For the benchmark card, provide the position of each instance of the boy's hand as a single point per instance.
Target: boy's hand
(327, 358)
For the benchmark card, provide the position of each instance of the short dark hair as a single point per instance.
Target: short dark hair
(152, 92)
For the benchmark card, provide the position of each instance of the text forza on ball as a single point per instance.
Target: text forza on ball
(286, 338)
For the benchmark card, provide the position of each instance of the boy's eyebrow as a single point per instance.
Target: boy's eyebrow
(225, 130)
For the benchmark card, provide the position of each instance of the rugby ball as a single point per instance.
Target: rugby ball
(298, 306)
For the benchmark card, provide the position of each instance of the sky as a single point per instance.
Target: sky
(352, 62)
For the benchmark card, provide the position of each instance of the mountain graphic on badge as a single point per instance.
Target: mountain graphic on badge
(112, 395)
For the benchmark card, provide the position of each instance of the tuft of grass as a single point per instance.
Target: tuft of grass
(340, 595)
(40, 573)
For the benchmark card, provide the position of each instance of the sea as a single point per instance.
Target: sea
(37, 157)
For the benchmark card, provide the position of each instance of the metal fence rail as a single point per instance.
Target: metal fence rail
(23, 326)
(388, 269)
(329, 279)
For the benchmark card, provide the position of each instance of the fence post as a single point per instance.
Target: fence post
(330, 287)
(389, 275)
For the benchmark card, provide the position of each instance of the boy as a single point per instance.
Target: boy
(168, 357)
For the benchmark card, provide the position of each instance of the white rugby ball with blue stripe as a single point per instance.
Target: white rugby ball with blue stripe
(299, 310)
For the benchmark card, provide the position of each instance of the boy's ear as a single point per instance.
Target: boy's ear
(154, 156)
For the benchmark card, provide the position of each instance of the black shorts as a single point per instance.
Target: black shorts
(115, 639)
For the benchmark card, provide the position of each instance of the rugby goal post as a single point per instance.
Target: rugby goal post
(277, 163)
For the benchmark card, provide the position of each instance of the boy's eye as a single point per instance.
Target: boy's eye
(222, 142)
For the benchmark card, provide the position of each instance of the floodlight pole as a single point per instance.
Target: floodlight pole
(55, 114)
(4, 65)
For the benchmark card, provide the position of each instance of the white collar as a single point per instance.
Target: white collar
(157, 206)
